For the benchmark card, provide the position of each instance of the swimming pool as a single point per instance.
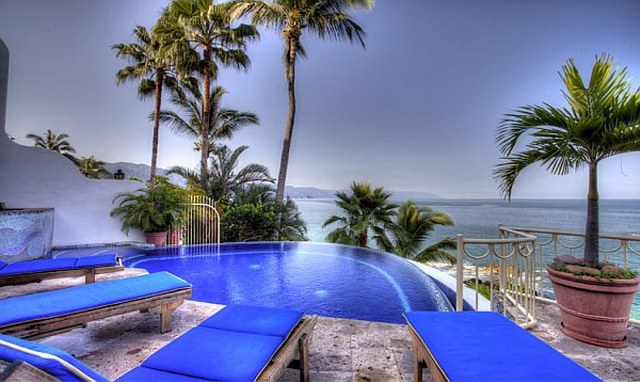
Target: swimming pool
(318, 278)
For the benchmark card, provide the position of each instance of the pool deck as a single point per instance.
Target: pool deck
(341, 350)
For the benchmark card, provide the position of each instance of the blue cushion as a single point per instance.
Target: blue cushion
(106, 260)
(479, 346)
(141, 374)
(217, 355)
(254, 320)
(51, 366)
(2, 264)
(33, 266)
(84, 297)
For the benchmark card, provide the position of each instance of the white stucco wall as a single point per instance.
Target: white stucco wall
(31, 177)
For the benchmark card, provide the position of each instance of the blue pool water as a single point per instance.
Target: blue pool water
(325, 279)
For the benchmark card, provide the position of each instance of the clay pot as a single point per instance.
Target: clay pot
(156, 238)
(592, 310)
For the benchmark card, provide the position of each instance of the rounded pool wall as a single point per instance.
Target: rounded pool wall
(320, 278)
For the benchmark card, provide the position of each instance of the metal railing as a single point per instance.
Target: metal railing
(503, 270)
(200, 223)
(511, 270)
(622, 250)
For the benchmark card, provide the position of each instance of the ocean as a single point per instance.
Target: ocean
(478, 218)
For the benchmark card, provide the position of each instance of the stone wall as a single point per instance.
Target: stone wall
(31, 177)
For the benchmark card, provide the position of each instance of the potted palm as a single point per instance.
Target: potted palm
(152, 210)
(602, 120)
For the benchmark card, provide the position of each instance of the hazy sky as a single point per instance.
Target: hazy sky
(416, 110)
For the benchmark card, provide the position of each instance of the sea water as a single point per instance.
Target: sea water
(480, 219)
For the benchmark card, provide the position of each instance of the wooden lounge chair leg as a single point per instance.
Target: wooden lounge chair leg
(303, 343)
(165, 318)
(90, 276)
(418, 366)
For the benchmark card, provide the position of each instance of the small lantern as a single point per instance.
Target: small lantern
(119, 175)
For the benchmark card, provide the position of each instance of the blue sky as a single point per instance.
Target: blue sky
(416, 110)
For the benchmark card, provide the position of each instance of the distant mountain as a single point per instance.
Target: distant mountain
(318, 193)
(141, 171)
(308, 193)
(414, 195)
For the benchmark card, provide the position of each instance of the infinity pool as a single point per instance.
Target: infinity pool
(325, 279)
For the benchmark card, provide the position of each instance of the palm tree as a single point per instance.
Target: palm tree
(153, 67)
(324, 18)
(54, 142)
(365, 208)
(602, 120)
(224, 181)
(412, 226)
(223, 122)
(92, 168)
(202, 37)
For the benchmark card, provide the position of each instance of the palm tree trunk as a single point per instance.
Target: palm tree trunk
(204, 134)
(592, 230)
(156, 128)
(288, 130)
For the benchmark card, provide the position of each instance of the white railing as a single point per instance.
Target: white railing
(504, 269)
(511, 270)
(622, 250)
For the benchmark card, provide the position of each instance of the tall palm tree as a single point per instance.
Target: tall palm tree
(364, 209)
(202, 37)
(153, 67)
(224, 180)
(325, 18)
(54, 142)
(602, 120)
(222, 122)
(406, 235)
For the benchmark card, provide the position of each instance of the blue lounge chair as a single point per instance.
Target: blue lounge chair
(47, 313)
(37, 270)
(239, 343)
(485, 346)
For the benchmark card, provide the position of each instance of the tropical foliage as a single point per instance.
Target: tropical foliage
(55, 142)
(92, 168)
(292, 18)
(602, 120)
(223, 121)
(152, 66)
(224, 181)
(257, 216)
(412, 226)
(366, 210)
(401, 230)
(200, 37)
(151, 209)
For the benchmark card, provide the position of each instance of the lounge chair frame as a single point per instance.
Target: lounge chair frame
(293, 353)
(423, 358)
(163, 303)
(36, 277)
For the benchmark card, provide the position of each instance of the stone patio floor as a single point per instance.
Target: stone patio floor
(341, 350)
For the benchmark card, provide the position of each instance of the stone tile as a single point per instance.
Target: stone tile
(374, 364)
(330, 376)
(331, 359)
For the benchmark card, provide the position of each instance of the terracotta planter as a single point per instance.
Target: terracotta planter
(156, 238)
(592, 310)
